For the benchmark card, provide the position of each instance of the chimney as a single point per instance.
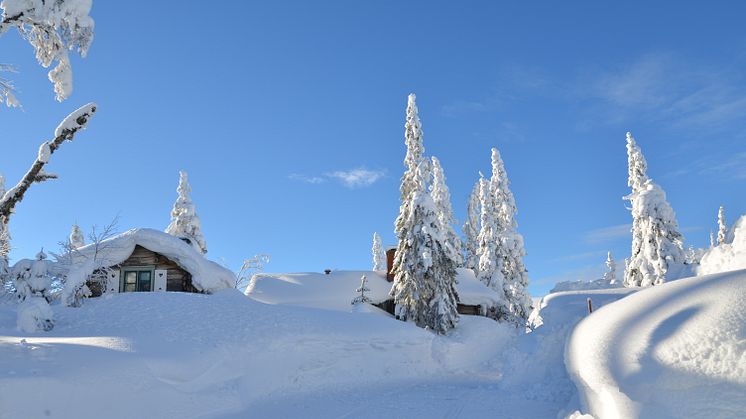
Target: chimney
(390, 254)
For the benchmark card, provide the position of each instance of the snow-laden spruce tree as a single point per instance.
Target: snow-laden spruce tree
(471, 229)
(424, 288)
(442, 198)
(424, 275)
(610, 274)
(510, 249)
(712, 239)
(722, 229)
(4, 242)
(379, 256)
(77, 239)
(489, 266)
(185, 223)
(657, 244)
(361, 290)
(415, 148)
(53, 28)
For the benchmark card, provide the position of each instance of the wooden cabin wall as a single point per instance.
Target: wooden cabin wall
(177, 280)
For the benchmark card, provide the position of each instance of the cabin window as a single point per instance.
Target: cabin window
(137, 280)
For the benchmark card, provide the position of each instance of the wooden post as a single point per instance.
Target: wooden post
(590, 306)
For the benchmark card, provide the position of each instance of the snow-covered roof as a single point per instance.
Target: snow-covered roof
(207, 276)
(336, 290)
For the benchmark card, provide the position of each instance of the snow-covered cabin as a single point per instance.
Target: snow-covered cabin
(335, 291)
(145, 260)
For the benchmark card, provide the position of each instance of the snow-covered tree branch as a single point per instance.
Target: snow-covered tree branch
(53, 28)
(66, 131)
(7, 88)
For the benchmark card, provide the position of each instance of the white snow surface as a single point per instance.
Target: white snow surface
(182, 355)
(336, 290)
(207, 276)
(676, 350)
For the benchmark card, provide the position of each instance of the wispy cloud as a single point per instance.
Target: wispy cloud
(353, 179)
(514, 82)
(357, 178)
(581, 256)
(607, 234)
(665, 87)
(724, 167)
(314, 180)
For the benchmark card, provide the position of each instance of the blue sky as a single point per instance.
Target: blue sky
(289, 118)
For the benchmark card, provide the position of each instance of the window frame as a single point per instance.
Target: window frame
(123, 275)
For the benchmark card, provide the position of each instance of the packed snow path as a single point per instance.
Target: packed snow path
(674, 350)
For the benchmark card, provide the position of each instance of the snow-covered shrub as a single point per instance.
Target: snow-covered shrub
(34, 315)
(33, 278)
(361, 290)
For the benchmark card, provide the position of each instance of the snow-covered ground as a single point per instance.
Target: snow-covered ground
(674, 350)
(177, 355)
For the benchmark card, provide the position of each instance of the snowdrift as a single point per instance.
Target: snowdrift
(182, 355)
(673, 350)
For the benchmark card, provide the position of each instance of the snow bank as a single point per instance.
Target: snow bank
(674, 350)
(728, 256)
(185, 355)
(207, 276)
(336, 290)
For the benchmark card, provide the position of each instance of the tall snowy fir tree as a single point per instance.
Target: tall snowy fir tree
(77, 239)
(657, 244)
(185, 223)
(379, 257)
(722, 229)
(415, 148)
(510, 249)
(424, 288)
(489, 267)
(610, 274)
(4, 243)
(424, 275)
(442, 198)
(471, 229)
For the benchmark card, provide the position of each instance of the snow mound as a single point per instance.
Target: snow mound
(336, 290)
(674, 350)
(728, 256)
(207, 276)
(183, 355)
